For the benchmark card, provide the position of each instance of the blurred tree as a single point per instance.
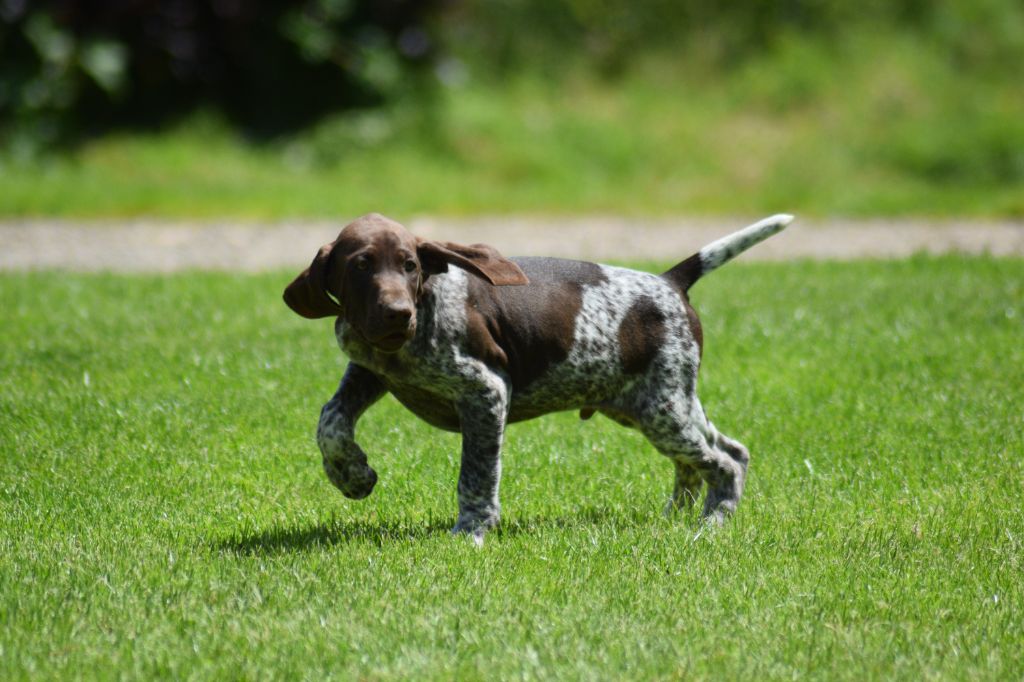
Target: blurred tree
(73, 67)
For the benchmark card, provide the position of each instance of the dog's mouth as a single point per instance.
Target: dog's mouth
(393, 341)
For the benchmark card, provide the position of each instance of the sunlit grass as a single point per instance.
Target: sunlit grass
(163, 512)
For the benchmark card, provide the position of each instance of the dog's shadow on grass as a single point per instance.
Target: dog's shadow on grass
(300, 537)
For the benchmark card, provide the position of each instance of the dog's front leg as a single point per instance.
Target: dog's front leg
(482, 414)
(344, 461)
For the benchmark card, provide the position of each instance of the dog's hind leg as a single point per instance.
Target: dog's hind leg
(722, 501)
(687, 487)
(731, 447)
(678, 428)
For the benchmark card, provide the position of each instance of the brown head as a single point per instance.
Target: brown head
(372, 275)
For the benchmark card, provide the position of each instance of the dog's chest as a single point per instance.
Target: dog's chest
(432, 370)
(421, 384)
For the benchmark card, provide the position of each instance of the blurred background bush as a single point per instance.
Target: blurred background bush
(611, 35)
(830, 106)
(75, 67)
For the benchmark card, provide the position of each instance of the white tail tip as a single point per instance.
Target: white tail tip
(780, 219)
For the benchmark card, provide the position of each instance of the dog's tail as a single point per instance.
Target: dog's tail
(723, 250)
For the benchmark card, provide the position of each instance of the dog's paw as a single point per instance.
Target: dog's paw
(354, 480)
(475, 526)
(476, 535)
(717, 510)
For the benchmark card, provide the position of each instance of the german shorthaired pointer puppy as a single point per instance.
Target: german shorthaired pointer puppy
(470, 341)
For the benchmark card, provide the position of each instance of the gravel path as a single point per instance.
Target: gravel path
(164, 246)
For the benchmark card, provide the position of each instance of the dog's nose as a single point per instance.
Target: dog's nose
(398, 314)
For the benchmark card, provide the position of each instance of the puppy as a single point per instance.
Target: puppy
(470, 341)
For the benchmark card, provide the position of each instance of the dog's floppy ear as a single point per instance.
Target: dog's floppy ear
(480, 259)
(307, 294)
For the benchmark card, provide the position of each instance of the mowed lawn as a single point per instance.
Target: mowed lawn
(164, 513)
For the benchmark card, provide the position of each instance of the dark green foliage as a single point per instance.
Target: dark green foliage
(816, 107)
(73, 66)
(70, 67)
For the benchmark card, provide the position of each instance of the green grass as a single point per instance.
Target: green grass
(864, 126)
(163, 512)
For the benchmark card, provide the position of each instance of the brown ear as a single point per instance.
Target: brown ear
(481, 260)
(307, 294)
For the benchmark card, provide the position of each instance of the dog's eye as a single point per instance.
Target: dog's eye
(410, 265)
(362, 263)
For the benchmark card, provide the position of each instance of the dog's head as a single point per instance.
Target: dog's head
(372, 275)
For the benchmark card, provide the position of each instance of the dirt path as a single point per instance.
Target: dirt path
(163, 246)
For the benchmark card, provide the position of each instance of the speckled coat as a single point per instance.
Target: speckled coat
(577, 336)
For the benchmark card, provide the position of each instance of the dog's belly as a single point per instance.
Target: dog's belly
(431, 407)
(522, 410)
(439, 411)
(572, 384)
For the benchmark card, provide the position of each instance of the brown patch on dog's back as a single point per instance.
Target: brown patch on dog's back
(561, 305)
(479, 334)
(527, 330)
(641, 334)
(540, 337)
